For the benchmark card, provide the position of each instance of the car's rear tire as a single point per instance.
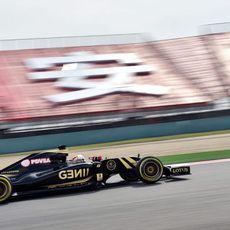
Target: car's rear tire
(150, 170)
(129, 176)
(5, 189)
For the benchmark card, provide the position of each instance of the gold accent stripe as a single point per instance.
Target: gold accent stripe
(71, 183)
(125, 164)
(133, 162)
(9, 175)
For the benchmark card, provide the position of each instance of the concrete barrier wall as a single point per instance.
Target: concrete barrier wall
(113, 134)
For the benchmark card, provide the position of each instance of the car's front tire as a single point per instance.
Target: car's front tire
(150, 170)
(5, 189)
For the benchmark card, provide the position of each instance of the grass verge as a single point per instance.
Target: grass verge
(194, 157)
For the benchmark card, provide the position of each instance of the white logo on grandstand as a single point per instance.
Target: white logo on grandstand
(27, 162)
(77, 69)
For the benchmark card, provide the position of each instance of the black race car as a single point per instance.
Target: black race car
(52, 171)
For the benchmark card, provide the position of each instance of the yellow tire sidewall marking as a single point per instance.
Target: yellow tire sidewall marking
(5, 189)
(8, 188)
(143, 162)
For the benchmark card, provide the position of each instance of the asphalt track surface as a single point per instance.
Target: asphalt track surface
(199, 201)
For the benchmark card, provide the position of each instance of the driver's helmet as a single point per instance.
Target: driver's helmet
(78, 159)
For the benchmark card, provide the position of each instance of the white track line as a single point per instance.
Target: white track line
(210, 162)
(202, 162)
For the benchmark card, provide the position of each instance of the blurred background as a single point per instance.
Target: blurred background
(161, 68)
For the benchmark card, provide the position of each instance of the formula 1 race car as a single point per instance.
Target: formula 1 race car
(51, 171)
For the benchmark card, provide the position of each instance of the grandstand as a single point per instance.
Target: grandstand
(194, 62)
(194, 70)
(219, 44)
(217, 40)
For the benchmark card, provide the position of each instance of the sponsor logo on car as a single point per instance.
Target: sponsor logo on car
(73, 173)
(27, 162)
(180, 170)
(111, 165)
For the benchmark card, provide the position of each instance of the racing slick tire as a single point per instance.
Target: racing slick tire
(129, 176)
(5, 189)
(149, 170)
